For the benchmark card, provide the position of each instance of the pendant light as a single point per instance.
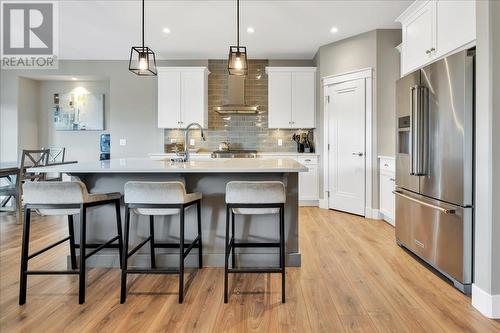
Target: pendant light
(142, 59)
(237, 62)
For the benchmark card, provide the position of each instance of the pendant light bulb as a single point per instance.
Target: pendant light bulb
(143, 62)
(237, 63)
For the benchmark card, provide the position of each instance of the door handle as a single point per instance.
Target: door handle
(357, 154)
(423, 203)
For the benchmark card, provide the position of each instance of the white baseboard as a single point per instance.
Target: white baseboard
(371, 213)
(488, 305)
(323, 203)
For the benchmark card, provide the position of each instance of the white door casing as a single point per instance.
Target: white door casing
(347, 146)
(370, 138)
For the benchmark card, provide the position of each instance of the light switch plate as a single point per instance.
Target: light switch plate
(173, 140)
(123, 142)
(280, 142)
(192, 142)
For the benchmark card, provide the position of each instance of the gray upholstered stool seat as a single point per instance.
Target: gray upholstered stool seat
(158, 193)
(160, 198)
(54, 193)
(253, 192)
(250, 198)
(65, 198)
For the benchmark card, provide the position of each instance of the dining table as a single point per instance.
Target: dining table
(12, 168)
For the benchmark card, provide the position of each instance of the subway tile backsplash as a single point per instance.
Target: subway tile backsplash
(241, 131)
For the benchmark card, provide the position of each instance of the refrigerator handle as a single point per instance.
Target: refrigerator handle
(412, 134)
(441, 209)
(421, 125)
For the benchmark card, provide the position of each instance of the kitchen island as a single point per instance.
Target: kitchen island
(208, 176)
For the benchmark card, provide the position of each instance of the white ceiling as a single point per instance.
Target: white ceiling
(205, 29)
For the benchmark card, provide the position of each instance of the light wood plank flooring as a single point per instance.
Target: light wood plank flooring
(353, 278)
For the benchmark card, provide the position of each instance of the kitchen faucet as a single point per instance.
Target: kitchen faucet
(185, 155)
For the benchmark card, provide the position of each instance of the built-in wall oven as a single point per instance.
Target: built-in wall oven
(434, 165)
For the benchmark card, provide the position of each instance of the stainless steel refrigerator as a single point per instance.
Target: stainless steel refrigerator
(434, 165)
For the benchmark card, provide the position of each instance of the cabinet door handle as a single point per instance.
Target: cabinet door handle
(428, 52)
(433, 49)
(386, 165)
(308, 160)
(392, 179)
(357, 154)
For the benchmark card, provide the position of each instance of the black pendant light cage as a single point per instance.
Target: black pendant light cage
(142, 59)
(238, 61)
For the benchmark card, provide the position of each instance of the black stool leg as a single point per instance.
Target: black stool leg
(152, 241)
(83, 236)
(233, 257)
(226, 255)
(119, 230)
(282, 253)
(200, 244)
(24, 257)
(181, 257)
(71, 231)
(123, 290)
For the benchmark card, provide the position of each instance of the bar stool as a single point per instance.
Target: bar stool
(64, 198)
(254, 198)
(160, 198)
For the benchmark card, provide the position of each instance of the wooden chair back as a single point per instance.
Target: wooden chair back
(31, 159)
(56, 156)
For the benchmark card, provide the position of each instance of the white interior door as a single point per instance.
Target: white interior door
(347, 109)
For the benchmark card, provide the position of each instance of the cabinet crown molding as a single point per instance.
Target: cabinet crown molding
(415, 6)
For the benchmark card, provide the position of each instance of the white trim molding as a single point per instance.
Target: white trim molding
(370, 136)
(488, 305)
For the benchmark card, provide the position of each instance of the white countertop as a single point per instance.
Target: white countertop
(147, 165)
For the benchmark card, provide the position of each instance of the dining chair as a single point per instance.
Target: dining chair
(56, 155)
(10, 192)
(32, 159)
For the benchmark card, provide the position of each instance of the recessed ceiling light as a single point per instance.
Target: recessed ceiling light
(334, 30)
(166, 30)
(73, 78)
(250, 30)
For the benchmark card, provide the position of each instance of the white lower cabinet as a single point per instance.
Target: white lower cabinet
(308, 181)
(387, 186)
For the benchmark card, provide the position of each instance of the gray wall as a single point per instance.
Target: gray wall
(28, 106)
(487, 193)
(388, 71)
(373, 49)
(132, 105)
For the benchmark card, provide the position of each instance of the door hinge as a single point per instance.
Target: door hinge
(328, 147)
(328, 194)
(328, 99)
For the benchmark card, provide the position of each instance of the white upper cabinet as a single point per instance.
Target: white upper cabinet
(456, 24)
(279, 100)
(182, 96)
(419, 36)
(292, 97)
(433, 29)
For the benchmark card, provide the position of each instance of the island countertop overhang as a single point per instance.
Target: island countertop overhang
(146, 165)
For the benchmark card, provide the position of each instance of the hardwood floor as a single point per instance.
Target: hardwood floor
(354, 278)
